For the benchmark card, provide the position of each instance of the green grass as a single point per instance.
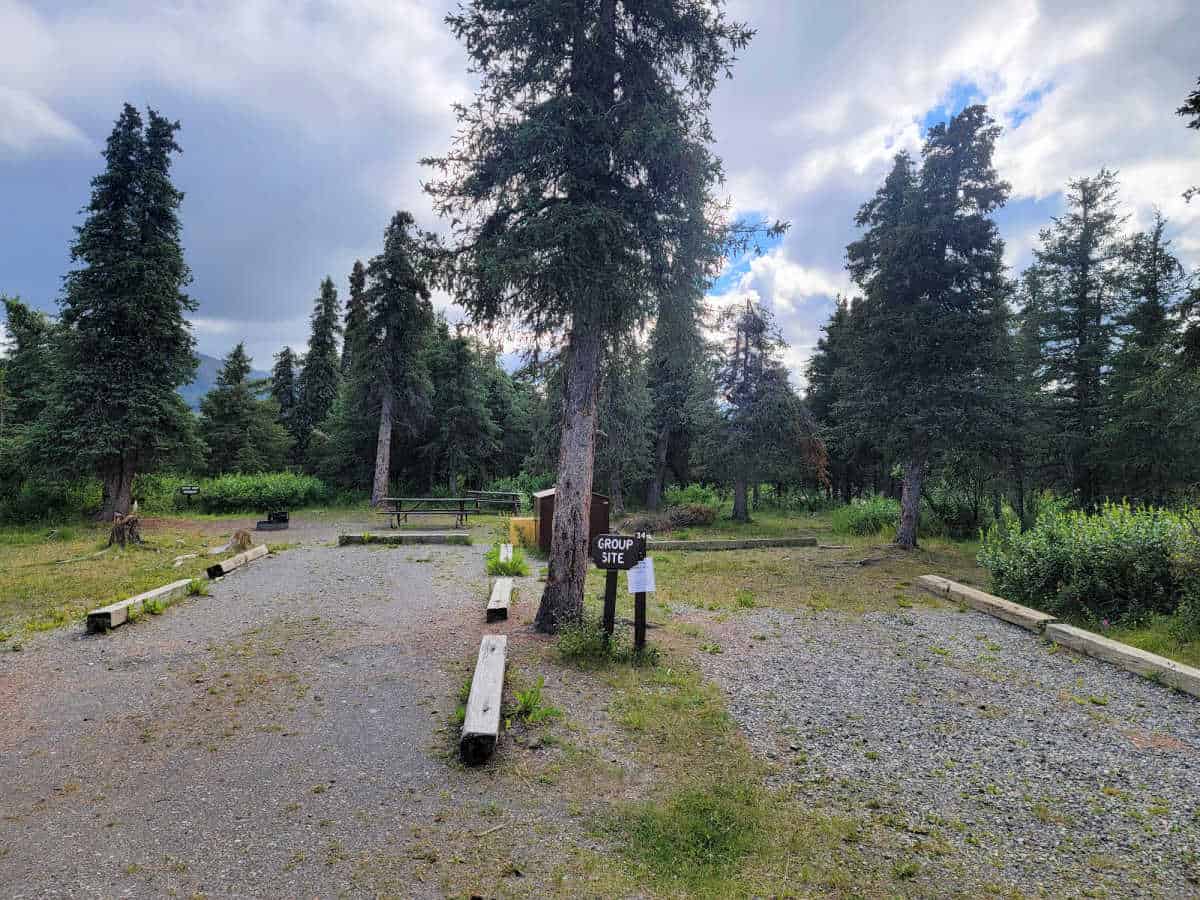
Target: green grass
(1155, 637)
(517, 566)
(51, 577)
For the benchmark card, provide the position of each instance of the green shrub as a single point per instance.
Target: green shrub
(867, 515)
(583, 643)
(698, 494)
(42, 501)
(524, 484)
(515, 566)
(1119, 565)
(259, 493)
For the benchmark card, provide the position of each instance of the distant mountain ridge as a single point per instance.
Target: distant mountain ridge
(206, 378)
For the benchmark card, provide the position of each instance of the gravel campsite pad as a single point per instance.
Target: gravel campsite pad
(1043, 769)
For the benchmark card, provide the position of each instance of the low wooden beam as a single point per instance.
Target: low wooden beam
(118, 613)
(216, 570)
(481, 725)
(497, 608)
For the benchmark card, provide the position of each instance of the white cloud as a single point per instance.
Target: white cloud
(27, 125)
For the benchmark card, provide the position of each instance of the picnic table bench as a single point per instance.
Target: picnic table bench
(507, 499)
(398, 509)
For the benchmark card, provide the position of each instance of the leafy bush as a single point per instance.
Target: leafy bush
(515, 566)
(868, 515)
(524, 484)
(254, 493)
(699, 494)
(41, 501)
(1119, 565)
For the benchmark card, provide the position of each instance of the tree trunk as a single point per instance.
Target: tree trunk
(383, 451)
(616, 494)
(910, 502)
(757, 497)
(741, 510)
(655, 492)
(562, 600)
(118, 491)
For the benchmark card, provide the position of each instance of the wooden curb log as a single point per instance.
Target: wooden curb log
(410, 537)
(1131, 659)
(481, 725)
(742, 544)
(216, 570)
(497, 608)
(118, 613)
(1029, 619)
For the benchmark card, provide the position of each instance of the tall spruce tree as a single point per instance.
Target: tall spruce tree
(356, 315)
(1149, 449)
(398, 320)
(28, 385)
(241, 432)
(1191, 111)
(763, 428)
(464, 436)
(319, 376)
(126, 346)
(930, 266)
(625, 419)
(1080, 270)
(570, 185)
(285, 391)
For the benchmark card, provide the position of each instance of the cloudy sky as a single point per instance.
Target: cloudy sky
(303, 122)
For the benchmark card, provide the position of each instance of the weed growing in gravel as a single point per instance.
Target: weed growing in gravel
(744, 598)
(198, 588)
(515, 566)
(529, 705)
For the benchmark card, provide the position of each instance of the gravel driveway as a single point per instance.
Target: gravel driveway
(1045, 770)
(264, 740)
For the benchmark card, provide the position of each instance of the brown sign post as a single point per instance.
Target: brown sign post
(614, 553)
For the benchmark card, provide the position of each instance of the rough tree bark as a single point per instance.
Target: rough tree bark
(910, 502)
(383, 450)
(562, 600)
(616, 494)
(741, 509)
(118, 490)
(655, 492)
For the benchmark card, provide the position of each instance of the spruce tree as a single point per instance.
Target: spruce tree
(570, 185)
(1149, 448)
(319, 375)
(126, 346)
(930, 266)
(241, 433)
(1080, 269)
(1191, 111)
(398, 320)
(464, 438)
(625, 443)
(284, 389)
(763, 428)
(356, 315)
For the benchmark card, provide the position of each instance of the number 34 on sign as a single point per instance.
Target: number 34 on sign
(641, 577)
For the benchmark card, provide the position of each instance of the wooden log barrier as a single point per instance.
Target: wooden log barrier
(497, 608)
(216, 570)
(481, 725)
(118, 613)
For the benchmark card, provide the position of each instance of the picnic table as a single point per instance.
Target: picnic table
(398, 509)
(507, 499)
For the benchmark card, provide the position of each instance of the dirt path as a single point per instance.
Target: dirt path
(271, 739)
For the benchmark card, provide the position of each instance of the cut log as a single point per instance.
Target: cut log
(216, 570)
(1030, 619)
(118, 613)
(497, 608)
(1131, 659)
(481, 725)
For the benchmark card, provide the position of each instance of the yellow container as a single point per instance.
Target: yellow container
(522, 532)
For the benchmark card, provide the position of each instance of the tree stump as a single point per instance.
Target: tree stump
(125, 530)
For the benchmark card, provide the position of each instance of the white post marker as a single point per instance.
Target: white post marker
(506, 553)
(641, 577)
